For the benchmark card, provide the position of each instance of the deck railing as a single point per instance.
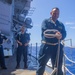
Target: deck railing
(36, 45)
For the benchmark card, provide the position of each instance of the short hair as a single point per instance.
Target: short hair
(55, 8)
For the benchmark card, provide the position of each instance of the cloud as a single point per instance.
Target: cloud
(73, 27)
(70, 23)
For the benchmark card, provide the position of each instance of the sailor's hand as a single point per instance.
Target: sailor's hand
(26, 44)
(58, 35)
(20, 43)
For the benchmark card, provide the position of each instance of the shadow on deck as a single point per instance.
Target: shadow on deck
(11, 63)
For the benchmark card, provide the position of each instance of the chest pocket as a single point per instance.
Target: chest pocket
(59, 28)
(49, 25)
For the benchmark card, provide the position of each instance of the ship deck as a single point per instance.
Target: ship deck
(11, 63)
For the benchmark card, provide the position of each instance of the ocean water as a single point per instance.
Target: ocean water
(70, 53)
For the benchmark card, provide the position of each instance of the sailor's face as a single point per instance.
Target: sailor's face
(23, 29)
(55, 14)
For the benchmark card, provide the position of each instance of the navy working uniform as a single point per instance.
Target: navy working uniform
(23, 38)
(50, 51)
(2, 60)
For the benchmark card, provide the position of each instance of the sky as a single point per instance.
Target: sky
(42, 9)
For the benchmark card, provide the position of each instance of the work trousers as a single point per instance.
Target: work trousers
(49, 52)
(2, 60)
(22, 50)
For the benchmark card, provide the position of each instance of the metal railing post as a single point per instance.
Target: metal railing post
(36, 52)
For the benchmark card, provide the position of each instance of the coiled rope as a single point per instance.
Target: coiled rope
(47, 33)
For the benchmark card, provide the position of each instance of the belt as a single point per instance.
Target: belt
(49, 43)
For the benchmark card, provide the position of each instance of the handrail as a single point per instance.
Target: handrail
(68, 40)
(66, 69)
(69, 71)
(69, 59)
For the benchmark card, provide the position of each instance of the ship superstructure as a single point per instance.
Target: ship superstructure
(12, 15)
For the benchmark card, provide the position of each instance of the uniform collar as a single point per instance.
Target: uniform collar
(50, 20)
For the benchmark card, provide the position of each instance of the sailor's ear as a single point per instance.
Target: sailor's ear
(50, 13)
